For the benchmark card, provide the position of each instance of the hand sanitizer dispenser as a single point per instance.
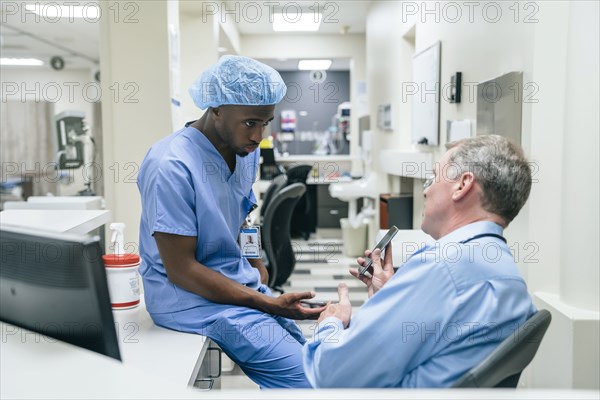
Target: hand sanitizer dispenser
(122, 271)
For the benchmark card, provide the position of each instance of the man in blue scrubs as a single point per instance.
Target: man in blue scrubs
(196, 190)
(452, 302)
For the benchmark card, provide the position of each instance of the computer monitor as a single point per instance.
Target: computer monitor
(55, 284)
(268, 156)
(269, 168)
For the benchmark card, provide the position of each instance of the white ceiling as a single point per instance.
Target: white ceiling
(76, 40)
(27, 35)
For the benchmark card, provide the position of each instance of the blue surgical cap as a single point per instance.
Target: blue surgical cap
(237, 80)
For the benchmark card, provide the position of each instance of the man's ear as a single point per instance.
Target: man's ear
(464, 184)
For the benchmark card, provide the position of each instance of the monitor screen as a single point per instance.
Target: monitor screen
(55, 284)
(268, 157)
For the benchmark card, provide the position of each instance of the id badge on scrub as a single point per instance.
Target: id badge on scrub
(250, 241)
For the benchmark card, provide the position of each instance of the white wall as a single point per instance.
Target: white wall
(580, 214)
(199, 42)
(479, 49)
(566, 140)
(556, 234)
(69, 90)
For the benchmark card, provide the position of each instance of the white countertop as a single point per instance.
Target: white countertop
(158, 362)
(66, 221)
(57, 203)
(313, 157)
(53, 369)
(174, 356)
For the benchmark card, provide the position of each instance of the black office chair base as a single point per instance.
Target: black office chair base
(278, 289)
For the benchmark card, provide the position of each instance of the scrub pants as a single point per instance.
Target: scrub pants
(267, 348)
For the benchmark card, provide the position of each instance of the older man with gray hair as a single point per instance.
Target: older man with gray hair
(452, 302)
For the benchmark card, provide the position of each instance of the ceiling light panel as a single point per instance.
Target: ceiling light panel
(21, 61)
(54, 11)
(311, 65)
(296, 20)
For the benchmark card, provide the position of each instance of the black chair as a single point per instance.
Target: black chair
(301, 225)
(276, 234)
(503, 367)
(276, 185)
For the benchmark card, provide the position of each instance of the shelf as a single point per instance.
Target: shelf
(410, 164)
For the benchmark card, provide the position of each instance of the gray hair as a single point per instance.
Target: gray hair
(500, 167)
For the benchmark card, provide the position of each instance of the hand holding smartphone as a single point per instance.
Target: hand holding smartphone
(381, 245)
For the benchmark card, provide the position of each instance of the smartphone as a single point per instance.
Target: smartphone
(381, 245)
(310, 303)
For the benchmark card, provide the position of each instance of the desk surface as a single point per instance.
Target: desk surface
(155, 366)
(315, 158)
(157, 363)
(35, 366)
(174, 356)
(65, 221)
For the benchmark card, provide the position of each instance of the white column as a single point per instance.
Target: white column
(563, 218)
(198, 51)
(579, 189)
(136, 103)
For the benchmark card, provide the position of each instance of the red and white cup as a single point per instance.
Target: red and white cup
(123, 280)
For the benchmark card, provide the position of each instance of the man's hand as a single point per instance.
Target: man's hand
(341, 310)
(380, 274)
(288, 305)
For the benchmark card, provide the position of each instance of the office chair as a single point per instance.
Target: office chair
(301, 225)
(503, 367)
(276, 234)
(278, 183)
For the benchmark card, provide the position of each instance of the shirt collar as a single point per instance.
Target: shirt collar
(466, 232)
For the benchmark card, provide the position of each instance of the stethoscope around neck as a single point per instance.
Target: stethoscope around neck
(481, 235)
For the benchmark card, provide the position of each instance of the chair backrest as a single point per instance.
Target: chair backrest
(298, 173)
(276, 185)
(301, 224)
(503, 367)
(276, 234)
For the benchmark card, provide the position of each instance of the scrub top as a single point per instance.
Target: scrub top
(187, 189)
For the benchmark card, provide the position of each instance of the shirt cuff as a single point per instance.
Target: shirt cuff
(332, 324)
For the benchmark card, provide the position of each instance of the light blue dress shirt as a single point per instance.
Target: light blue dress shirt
(443, 311)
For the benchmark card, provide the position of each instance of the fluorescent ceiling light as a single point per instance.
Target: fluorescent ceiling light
(296, 21)
(56, 11)
(311, 65)
(21, 61)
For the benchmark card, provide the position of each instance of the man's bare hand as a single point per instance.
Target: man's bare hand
(341, 310)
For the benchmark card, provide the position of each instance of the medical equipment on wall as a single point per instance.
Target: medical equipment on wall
(335, 139)
(75, 147)
(288, 121)
(343, 119)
